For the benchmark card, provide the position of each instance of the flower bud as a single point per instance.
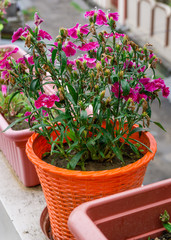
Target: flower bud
(107, 103)
(63, 32)
(81, 104)
(96, 87)
(121, 73)
(107, 72)
(98, 66)
(102, 94)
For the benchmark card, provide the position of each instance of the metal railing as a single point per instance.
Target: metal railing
(155, 9)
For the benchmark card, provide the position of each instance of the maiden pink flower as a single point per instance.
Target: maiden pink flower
(46, 101)
(37, 20)
(17, 34)
(5, 75)
(115, 16)
(69, 49)
(5, 65)
(116, 88)
(89, 14)
(30, 60)
(108, 35)
(101, 18)
(43, 34)
(21, 60)
(91, 62)
(165, 92)
(4, 90)
(118, 35)
(88, 46)
(73, 32)
(27, 114)
(8, 54)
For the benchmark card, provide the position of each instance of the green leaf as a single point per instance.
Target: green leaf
(73, 93)
(54, 52)
(61, 117)
(141, 144)
(96, 105)
(132, 146)
(34, 84)
(99, 53)
(125, 87)
(137, 129)
(14, 123)
(73, 162)
(81, 129)
(118, 153)
(1, 27)
(71, 134)
(11, 98)
(83, 116)
(160, 126)
(63, 61)
(167, 226)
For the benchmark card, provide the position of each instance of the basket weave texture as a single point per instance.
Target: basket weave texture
(66, 189)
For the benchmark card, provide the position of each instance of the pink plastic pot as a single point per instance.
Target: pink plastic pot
(131, 215)
(12, 143)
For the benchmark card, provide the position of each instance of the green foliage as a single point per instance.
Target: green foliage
(165, 221)
(98, 97)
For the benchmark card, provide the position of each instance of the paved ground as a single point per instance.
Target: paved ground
(66, 13)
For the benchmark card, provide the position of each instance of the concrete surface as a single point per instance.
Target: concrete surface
(24, 205)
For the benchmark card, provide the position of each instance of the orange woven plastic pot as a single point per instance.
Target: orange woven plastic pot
(66, 189)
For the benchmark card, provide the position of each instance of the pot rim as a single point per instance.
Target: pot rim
(76, 173)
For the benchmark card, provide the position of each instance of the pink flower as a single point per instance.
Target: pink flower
(27, 114)
(115, 16)
(101, 18)
(43, 34)
(88, 46)
(5, 75)
(69, 49)
(128, 64)
(37, 20)
(71, 64)
(91, 62)
(165, 91)
(108, 35)
(4, 90)
(46, 101)
(32, 119)
(116, 88)
(89, 14)
(5, 65)
(7, 54)
(118, 35)
(30, 60)
(152, 85)
(21, 60)
(73, 32)
(17, 34)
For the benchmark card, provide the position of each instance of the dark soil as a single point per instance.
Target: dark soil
(19, 126)
(129, 157)
(165, 236)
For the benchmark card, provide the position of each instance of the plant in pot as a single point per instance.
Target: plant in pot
(100, 144)
(120, 216)
(13, 141)
(3, 5)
